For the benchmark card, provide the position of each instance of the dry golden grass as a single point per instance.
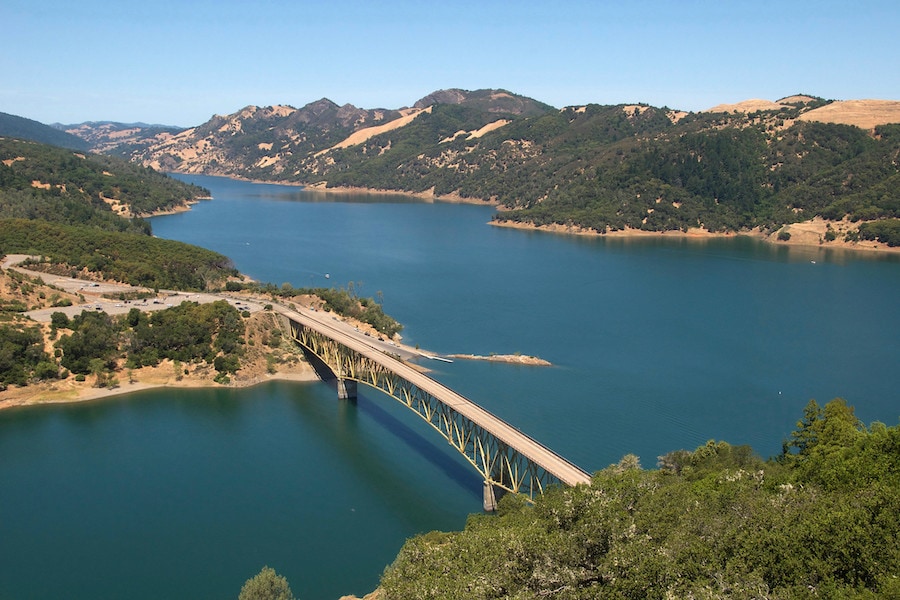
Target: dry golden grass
(862, 113)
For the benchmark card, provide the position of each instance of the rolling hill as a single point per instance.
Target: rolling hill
(12, 126)
(756, 164)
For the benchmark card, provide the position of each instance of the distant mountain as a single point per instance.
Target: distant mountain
(755, 164)
(491, 101)
(27, 129)
(261, 142)
(282, 143)
(118, 139)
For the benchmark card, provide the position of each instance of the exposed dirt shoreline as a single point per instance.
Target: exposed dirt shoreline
(35, 394)
(163, 376)
(810, 233)
(427, 195)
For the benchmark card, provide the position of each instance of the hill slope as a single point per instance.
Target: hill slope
(55, 184)
(27, 129)
(757, 164)
(119, 139)
(817, 522)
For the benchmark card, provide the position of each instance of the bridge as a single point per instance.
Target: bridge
(506, 458)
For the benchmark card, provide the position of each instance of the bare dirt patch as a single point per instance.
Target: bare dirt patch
(358, 137)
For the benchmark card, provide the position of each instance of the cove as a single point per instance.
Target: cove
(657, 344)
(187, 493)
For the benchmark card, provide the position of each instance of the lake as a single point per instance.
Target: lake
(657, 344)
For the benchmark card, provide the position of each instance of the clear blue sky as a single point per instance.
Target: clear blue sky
(180, 62)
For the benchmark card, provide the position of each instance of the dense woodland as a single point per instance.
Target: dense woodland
(818, 521)
(38, 181)
(132, 258)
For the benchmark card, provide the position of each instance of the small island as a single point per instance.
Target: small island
(518, 359)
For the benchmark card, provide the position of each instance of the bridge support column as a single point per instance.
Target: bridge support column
(346, 389)
(489, 497)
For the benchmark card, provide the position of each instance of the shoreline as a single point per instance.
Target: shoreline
(71, 392)
(322, 187)
(804, 234)
(809, 233)
(427, 195)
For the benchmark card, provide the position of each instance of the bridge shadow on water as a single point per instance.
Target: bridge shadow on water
(441, 458)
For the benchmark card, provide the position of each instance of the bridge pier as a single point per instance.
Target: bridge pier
(346, 389)
(490, 496)
(489, 501)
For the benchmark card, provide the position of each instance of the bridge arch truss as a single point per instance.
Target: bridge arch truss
(499, 463)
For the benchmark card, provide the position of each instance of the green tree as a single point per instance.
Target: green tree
(266, 585)
(94, 336)
(98, 369)
(59, 320)
(21, 350)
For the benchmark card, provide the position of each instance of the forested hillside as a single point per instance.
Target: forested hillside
(73, 209)
(38, 181)
(133, 258)
(818, 521)
(601, 168)
(726, 179)
(27, 129)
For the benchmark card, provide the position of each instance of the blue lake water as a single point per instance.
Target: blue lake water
(657, 344)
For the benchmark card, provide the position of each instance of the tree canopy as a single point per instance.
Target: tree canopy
(820, 520)
(266, 585)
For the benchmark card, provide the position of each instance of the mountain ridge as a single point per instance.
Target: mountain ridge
(23, 128)
(750, 165)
